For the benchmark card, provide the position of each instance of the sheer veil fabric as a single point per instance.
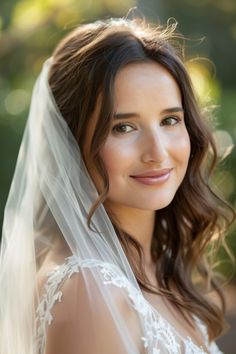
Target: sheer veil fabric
(50, 197)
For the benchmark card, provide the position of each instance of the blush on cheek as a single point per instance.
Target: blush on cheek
(113, 169)
(112, 159)
(183, 148)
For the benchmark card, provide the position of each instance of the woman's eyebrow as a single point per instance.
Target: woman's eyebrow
(136, 115)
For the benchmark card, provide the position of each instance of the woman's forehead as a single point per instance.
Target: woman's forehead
(145, 84)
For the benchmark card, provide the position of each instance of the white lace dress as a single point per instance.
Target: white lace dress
(157, 330)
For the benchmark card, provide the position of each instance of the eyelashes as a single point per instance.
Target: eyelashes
(172, 120)
(124, 128)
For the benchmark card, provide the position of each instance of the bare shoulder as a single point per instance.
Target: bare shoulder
(90, 309)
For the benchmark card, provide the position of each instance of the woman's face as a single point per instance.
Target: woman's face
(147, 150)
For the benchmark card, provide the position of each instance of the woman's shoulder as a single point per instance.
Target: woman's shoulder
(74, 290)
(67, 294)
(75, 275)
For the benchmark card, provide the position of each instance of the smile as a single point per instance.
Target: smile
(154, 177)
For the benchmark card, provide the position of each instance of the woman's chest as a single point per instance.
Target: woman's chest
(183, 327)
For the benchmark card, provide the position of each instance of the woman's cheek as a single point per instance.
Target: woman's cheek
(183, 149)
(116, 155)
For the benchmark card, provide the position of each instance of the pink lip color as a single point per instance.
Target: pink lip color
(154, 178)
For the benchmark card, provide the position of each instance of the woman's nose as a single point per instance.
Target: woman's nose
(154, 147)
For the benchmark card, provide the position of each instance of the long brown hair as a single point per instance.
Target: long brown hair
(85, 65)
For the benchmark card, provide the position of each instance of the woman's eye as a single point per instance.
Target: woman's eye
(171, 121)
(122, 128)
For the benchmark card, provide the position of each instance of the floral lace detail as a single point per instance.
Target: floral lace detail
(49, 298)
(157, 331)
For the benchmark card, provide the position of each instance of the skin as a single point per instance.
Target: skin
(149, 139)
(151, 136)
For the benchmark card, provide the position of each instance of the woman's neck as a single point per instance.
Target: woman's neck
(136, 222)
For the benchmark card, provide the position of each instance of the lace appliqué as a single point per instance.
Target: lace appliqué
(49, 298)
(157, 331)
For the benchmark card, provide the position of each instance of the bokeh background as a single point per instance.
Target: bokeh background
(29, 30)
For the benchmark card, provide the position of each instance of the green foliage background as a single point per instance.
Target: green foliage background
(29, 30)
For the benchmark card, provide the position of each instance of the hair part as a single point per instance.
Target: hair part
(85, 66)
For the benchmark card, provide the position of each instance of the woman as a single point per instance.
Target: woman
(111, 212)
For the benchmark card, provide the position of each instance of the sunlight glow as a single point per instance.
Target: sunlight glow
(206, 86)
(17, 101)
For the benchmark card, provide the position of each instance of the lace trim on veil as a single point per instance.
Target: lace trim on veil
(156, 329)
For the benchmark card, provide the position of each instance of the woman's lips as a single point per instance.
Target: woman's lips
(153, 177)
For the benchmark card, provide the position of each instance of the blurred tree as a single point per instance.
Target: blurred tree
(30, 29)
(210, 30)
(213, 20)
